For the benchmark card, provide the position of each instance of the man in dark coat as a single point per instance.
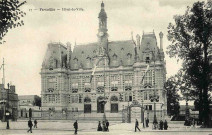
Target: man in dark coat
(147, 122)
(136, 125)
(30, 125)
(35, 123)
(99, 127)
(107, 125)
(75, 127)
(161, 125)
(165, 125)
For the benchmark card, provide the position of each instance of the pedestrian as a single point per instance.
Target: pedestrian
(161, 125)
(136, 125)
(75, 127)
(99, 127)
(35, 123)
(30, 125)
(107, 125)
(147, 122)
(165, 125)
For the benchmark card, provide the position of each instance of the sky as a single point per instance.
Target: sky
(25, 46)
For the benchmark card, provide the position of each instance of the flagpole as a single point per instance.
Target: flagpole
(3, 80)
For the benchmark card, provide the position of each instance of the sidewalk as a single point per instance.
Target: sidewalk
(91, 126)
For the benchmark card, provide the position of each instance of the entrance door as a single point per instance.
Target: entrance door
(100, 107)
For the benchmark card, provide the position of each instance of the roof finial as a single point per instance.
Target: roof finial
(102, 4)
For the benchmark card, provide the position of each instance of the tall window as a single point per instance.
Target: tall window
(114, 82)
(147, 59)
(52, 98)
(114, 104)
(87, 105)
(128, 82)
(74, 87)
(100, 84)
(87, 84)
(146, 95)
(148, 77)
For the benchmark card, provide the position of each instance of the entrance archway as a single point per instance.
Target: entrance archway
(129, 111)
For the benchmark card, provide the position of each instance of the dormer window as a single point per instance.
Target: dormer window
(147, 59)
(129, 56)
(114, 56)
(88, 62)
(75, 63)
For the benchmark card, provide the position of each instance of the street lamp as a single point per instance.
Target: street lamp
(8, 113)
(187, 122)
(161, 110)
(155, 118)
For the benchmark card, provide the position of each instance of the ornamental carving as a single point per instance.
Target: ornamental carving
(50, 89)
(74, 90)
(114, 88)
(87, 89)
(154, 98)
(100, 89)
(128, 88)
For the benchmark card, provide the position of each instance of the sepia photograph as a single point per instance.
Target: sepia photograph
(106, 67)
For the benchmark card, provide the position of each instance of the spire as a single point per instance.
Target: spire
(102, 5)
(102, 14)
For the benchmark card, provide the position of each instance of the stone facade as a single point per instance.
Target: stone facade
(68, 92)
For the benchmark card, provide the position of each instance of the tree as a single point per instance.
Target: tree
(191, 37)
(173, 106)
(10, 16)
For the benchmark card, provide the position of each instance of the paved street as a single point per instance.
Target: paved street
(87, 127)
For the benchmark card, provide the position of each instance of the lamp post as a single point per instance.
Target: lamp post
(7, 113)
(104, 100)
(155, 118)
(161, 110)
(187, 122)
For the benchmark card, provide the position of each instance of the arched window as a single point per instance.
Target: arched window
(114, 104)
(87, 105)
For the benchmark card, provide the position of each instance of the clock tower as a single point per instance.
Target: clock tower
(102, 32)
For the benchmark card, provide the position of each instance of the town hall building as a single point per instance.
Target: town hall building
(121, 73)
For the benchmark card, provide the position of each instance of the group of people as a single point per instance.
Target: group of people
(30, 125)
(104, 127)
(162, 125)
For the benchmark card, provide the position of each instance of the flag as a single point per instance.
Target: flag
(95, 68)
(93, 73)
(147, 68)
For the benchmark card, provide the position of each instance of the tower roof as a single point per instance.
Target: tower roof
(102, 13)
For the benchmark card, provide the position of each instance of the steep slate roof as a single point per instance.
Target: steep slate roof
(121, 49)
(53, 53)
(120, 53)
(149, 41)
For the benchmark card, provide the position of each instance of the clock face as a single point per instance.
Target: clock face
(101, 33)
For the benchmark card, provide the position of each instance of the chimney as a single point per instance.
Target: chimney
(138, 40)
(161, 41)
(12, 88)
(68, 54)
